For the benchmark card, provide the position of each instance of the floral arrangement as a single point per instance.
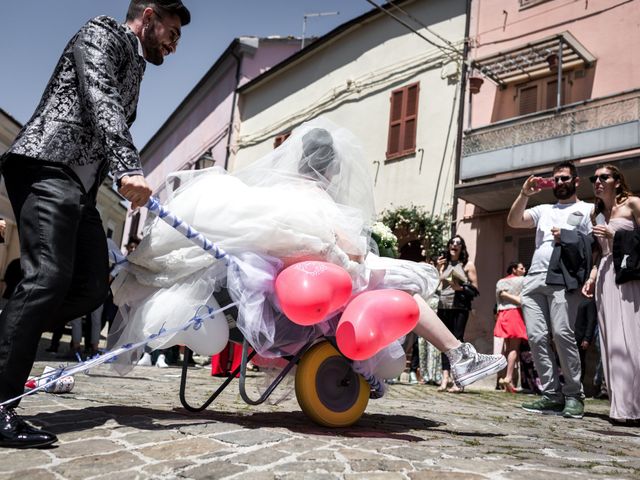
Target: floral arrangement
(385, 239)
(414, 222)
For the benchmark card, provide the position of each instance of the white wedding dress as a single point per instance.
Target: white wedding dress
(311, 198)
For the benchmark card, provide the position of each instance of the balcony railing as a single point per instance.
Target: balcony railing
(576, 131)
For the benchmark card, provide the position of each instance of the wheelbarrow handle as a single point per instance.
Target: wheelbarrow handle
(184, 228)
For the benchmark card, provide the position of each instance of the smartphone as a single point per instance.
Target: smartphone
(546, 183)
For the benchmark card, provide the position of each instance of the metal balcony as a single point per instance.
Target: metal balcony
(591, 128)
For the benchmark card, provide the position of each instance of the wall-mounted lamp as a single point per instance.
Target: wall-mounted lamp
(206, 160)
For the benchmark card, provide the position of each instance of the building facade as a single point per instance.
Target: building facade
(518, 122)
(198, 133)
(393, 82)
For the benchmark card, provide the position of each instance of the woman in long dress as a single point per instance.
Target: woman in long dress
(309, 199)
(618, 304)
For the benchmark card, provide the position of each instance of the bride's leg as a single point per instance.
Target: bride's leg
(431, 328)
(467, 366)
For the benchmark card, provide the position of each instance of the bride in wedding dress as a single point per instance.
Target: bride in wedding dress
(309, 199)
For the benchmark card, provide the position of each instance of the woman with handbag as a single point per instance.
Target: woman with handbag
(459, 286)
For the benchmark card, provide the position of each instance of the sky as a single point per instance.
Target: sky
(34, 33)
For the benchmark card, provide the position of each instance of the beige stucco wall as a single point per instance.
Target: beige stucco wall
(350, 80)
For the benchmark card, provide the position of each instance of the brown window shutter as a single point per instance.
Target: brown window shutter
(412, 101)
(528, 100)
(410, 119)
(280, 138)
(403, 121)
(395, 123)
(552, 92)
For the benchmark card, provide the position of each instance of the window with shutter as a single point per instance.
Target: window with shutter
(280, 138)
(526, 248)
(552, 94)
(530, 3)
(528, 100)
(403, 121)
(135, 224)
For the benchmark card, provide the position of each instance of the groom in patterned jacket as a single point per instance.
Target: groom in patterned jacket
(78, 133)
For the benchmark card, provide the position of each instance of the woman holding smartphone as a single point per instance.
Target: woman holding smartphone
(459, 285)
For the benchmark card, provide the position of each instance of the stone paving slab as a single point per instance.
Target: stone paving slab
(134, 427)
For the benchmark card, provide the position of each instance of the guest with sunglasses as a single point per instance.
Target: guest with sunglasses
(550, 310)
(77, 135)
(616, 210)
(459, 285)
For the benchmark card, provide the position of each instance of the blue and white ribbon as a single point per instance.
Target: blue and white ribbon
(52, 377)
(184, 228)
(195, 322)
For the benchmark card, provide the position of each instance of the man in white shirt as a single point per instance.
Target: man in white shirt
(550, 310)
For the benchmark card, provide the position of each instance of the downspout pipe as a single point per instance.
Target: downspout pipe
(238, 59)
(461, 101)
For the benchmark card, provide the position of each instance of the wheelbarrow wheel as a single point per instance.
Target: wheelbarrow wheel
(328, 391)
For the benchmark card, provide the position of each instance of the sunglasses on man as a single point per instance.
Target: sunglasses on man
(563, 178)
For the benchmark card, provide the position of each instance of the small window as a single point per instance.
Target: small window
(528, 100)
(135, 224)
(403, 118)
(530, 3)
(552, 94)
(540, 95)
(281, 138)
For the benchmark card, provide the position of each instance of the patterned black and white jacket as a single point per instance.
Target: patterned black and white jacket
(89, 103)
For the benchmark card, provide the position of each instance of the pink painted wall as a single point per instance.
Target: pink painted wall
(203, 121)
(608, 29)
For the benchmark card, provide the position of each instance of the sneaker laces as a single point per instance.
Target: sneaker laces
(464, 350)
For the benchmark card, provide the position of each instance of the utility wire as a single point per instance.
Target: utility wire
(446, 50)
(432, 32)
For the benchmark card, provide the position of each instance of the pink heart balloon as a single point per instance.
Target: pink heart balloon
(373, 320)
(310, 291)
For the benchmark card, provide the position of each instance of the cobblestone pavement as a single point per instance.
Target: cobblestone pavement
(134, 427)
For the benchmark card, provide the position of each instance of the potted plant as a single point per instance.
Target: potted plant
(475, 82)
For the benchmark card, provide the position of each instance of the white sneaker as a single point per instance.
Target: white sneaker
(468, 366)
(145, 361)
(413, 378)
(161, 362)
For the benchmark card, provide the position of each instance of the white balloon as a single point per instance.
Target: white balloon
(390, 361)
(176, 303)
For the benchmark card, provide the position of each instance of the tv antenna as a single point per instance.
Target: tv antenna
(310, 15)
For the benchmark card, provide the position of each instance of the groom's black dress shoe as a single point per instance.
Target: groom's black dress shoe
(16, 433)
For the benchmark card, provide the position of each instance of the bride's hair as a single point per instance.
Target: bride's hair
(318, 155)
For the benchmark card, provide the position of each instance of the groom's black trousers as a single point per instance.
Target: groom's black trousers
(63, 255)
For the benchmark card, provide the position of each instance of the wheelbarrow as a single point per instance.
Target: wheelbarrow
(327, 388)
